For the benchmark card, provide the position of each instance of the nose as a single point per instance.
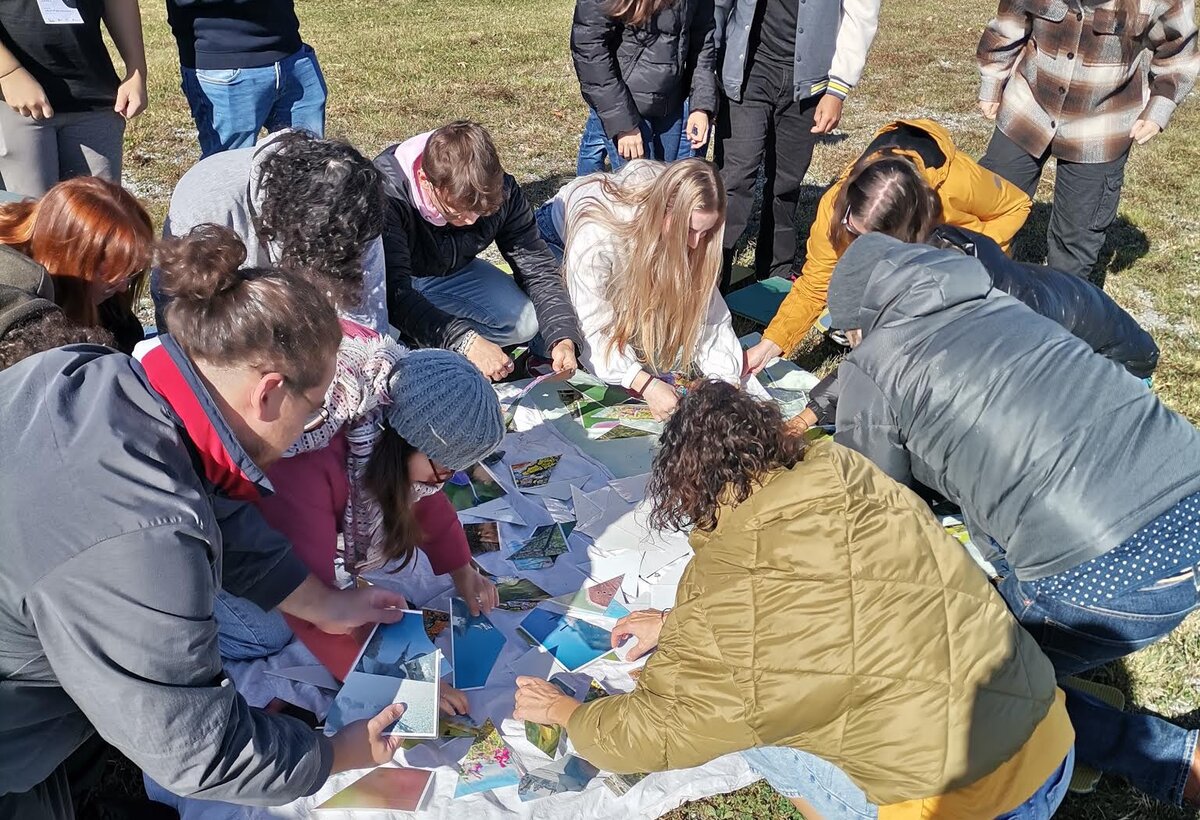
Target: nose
(694, 239)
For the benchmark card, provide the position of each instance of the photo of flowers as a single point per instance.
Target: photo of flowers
(489, 764)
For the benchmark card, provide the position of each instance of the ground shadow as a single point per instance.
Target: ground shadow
(540, 190)
(1124, 244)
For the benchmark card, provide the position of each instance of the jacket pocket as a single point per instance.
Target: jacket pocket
(1111, 42)
(1053, 10)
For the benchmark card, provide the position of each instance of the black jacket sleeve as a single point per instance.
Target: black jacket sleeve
(418, 320)
(258, 562)
(594, 40)
(535, 269)
(702, 58)
(1076, 304)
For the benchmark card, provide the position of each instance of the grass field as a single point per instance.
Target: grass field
(400, 67)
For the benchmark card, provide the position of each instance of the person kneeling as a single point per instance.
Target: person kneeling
(826, 623)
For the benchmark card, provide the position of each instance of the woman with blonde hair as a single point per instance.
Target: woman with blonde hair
(642, 259)
(95, 240)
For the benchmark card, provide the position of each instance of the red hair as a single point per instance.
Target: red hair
(86, 232)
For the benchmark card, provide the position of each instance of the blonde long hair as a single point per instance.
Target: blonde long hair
(659, 288)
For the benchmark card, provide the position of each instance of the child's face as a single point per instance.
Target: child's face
(422, 470)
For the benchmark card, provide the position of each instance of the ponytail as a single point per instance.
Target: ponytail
(226, 315)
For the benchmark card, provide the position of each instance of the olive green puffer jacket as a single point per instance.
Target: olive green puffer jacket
(830, 612)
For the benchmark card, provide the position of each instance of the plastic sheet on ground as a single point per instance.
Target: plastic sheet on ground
(544, 429)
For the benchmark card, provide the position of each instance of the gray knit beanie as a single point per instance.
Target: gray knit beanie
(443, 406)
(848, 285)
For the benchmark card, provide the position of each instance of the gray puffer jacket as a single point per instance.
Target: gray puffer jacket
(626, 72)
(1056, 452)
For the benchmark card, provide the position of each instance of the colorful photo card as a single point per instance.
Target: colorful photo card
(549, 738)
(546, 544)
(475, 646)
(571, 774)
(599, 599)
(536, 473)
(489, 764)
(573, 642)
(620, 784)
(516, 594)
(608, 413)
(398, 664)
(483, 538)
(472, 487)
(388, 789)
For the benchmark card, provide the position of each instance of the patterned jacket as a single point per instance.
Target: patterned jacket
(1073, 78)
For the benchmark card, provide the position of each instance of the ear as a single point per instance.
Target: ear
(268, 396)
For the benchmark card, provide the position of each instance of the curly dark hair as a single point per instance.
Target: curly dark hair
(322, 203)
(716, 449)
(46, 331)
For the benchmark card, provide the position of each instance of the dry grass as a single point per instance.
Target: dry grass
(401, 67)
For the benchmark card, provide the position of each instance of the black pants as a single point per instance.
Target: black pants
(771, 128)
(1086, 196)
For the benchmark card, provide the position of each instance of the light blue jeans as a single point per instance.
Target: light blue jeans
(231, 105)
(246, 632)
(487, 298)
(834, 796)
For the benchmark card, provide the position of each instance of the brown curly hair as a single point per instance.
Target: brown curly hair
(716, 449)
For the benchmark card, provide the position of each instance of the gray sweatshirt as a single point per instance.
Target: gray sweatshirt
(114, 543)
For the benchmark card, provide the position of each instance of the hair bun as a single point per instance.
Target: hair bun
(201, 265)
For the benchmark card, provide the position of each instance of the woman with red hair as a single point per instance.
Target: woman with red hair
(95, 240)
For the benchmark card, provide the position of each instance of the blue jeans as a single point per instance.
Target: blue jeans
(834, 796)
(487, 298)
(664, 139)
(231, 105)
(1153, 754)
(548, 232)
(246, 632)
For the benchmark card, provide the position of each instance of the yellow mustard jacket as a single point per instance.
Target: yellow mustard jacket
(972, 197)
(830, 612)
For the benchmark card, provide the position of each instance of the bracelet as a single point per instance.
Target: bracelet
(464, 344)
(12, 70)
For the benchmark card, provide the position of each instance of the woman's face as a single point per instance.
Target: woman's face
(422, 470)
(702, 225)
(103, 289)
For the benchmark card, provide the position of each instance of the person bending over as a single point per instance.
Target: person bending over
(970, 196)
(830, 630)
(123, 511)
(642, 255)
(95, 240)
(448, 198)
(1085, 486)
(298, 202)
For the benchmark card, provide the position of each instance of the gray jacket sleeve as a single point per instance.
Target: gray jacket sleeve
(866, 423)
(536, 271)
(127, 627)
(258, 562)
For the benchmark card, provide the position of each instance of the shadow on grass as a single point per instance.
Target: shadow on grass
(1124, 244)
(539, 191)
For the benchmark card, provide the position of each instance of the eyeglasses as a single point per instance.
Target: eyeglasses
(849, 227)
(317, 419)
(440, 474)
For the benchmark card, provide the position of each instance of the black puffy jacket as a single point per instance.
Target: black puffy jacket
(628, 73)
(1075, 303)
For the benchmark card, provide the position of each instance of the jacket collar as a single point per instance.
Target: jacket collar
(226, 464)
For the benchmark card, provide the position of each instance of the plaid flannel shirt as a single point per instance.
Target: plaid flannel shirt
(1075, 78)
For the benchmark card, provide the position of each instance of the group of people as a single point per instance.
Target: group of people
(326, 334)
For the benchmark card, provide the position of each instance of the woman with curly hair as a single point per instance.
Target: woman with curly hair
(828, 628)
(300, 203)
(95, 240)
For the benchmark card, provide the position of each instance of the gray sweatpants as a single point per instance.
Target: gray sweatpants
(35, 154)
(1086, 196)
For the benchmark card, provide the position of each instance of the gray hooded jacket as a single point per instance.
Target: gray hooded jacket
(114, 540)
(1053, 450)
